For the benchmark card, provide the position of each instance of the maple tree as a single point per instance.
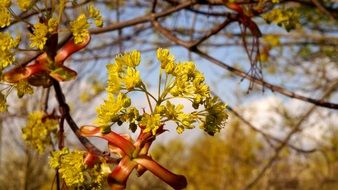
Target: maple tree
(57, 31)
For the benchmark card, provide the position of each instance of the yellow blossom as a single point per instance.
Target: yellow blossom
(23, 88)
(5, 17)
(3, 104)
(200, 89)
(216, 115)
(185, 81)
(5, 3)
(132, 78)
(185, 68)
(160, 109)
(113, 84)
(272, 40)
(37, 130)
(70, 165)
(108, 112)
(24, 4)
(287, 18)
(79, 28)
(95, 14)
(172, 111)
(53, 25)
(166, 59)
(74, 171)
(131, 59)
(151, 122)
(182, 86)
(186, 122)
(7, 44)
(39, 37)
(114, 81)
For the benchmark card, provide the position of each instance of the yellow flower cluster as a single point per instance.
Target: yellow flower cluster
(38, 129)
(5, 15)
(183, 80)
(79, 28)
(24, 4)
(115, 109)
(39, 37)
(286, 18)
(3, 103)
(216, 116)
(53, 24)
(75, 173)
(41, 31)
(176, 114)
(167, 60)
(70, 165)
(95, 14)
(123, 74)
(7, 44)
(109, 111)
(189, 82)
(23, 88)
(150, 123)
